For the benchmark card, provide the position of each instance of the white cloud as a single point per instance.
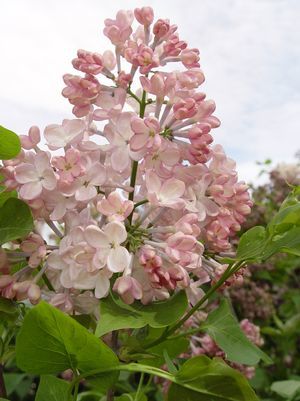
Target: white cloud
(249, 53)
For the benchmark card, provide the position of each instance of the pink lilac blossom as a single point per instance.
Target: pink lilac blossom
(133, 187)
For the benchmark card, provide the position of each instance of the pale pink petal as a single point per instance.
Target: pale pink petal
(59, 210)
(49, 181)
(100, 115)
(55, 136)
(118, 259)
(31, 190)
(170, 156)
(138, 125)
(55, 262)
(138, 141)
(74, 128)
(25, 173)
(105, 207)
(102, 285)
(97, 175)
(84, 280)
(85, 194)
(115, 200)
(211, 208)
(115, 232)
(172, 189)
(124, 126)
(96, 237)
(77, 235)
(41, 162)
(120, 159)
(174, 203)
(152, 182)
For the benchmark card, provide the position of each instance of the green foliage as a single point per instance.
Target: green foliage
(15, 220)
(282, 234)
(9, 310)
(10, 144)
(286, 388)
(5, 195)
(52, 389)
(204, 379)
(251, 243)
(51, 342)
(116, 315)
(223, 327)
(156, 355)
(131, 397)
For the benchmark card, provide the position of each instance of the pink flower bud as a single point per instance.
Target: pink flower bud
(161, 28)
(32, 139)
(128, 288)
(144, 15)
(34, 293)
(190, 58)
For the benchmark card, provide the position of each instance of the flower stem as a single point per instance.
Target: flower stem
(140, 203)
(142, 103)
(2, 383)
(139, 389)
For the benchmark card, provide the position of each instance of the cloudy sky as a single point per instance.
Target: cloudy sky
(249, 53)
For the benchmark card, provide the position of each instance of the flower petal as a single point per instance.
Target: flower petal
(115, 232)
(25, 173)
(102, 285)
(118, 259)
(96, 237)
(31, 190)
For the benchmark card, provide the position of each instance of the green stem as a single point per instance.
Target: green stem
(2, 383)
(76, 388)
(134, 96)
(140, 203)
(139, 389)
(132, 180)
(185, 333)
(131, 367)
(142, 103)
(46, 280)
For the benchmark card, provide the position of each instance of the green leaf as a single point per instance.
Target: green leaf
(13, 381)
(251, 244)
(5, 195)
(90, 396)
(9, 310)
(170, 364)
(223, 327)
(285, 219)
(207, 379)
(117, 315)
(292, 326)
(10, 144)
(156, 354)
(286, 388)
(288, 242)
(52, 389)
(50, 342)
(131, 397)
(15, 220)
